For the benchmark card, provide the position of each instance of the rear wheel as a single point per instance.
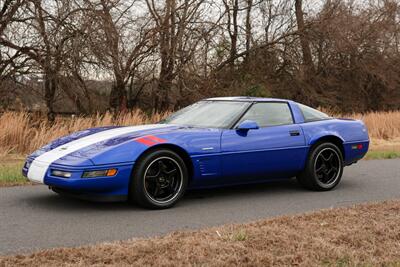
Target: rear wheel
(324, 168)
(159, 179)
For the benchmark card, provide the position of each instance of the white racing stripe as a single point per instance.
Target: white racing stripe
(39, 165)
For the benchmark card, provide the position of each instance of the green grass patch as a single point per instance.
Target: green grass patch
(239, 236)
(10, 174)
(383, 155)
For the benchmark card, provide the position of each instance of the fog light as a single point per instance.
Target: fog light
(99, 173)
(62, 174)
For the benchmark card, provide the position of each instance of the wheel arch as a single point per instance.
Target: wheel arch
(178, 150)
(330, 138)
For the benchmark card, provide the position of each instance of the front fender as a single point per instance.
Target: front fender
(102, 154)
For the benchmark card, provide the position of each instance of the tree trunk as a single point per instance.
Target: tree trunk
(248, 28)
(304, 39)
(167, 57)
(50, 86)
(234, 32)
(118, 96)
(86, 93)
(164, 86)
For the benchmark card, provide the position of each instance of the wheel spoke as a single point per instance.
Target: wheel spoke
(163, 179)
(171, 185)
(333, 169)
(319, 169)
(327, 159)
(325, 177)
(324, 159)
(161, 166)
(156, 189)
(152, 179)
(327, 166)
(170, 173)
(332, 160)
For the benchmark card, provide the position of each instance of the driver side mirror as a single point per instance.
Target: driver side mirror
(248, 125)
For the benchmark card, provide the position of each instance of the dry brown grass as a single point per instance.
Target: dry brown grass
(364, 235)
(383, 129)
(22, 134)
(385, 145)
(381, 125)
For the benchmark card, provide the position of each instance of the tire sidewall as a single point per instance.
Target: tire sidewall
(137, 188)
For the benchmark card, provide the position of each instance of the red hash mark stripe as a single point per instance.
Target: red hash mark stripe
(155, 139)
(150, 140)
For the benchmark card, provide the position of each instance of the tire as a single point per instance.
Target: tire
(324, 168)
(159, 179)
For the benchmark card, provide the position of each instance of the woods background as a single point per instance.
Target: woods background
(89, 56)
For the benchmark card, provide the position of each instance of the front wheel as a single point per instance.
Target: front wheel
(159, 179)
(324, 168)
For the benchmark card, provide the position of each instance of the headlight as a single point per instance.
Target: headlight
(99, 173)
(62, 174)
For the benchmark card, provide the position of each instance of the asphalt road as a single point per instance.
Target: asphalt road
(32, 217)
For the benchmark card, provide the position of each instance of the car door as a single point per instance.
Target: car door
(277, 149)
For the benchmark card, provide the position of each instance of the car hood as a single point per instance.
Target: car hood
(86, 147)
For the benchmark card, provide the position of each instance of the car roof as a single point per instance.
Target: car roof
(247, 99)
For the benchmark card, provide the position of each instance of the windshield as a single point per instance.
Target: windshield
(208, 114)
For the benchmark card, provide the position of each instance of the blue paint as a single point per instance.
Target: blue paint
(218, 156)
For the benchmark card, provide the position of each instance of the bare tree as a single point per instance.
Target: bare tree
(172, 21)
(120, 40)
(304, 38)
(231, 11)
(165, 54)
(10, 60)
(50, 27)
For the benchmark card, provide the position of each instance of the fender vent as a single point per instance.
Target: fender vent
(207, 167)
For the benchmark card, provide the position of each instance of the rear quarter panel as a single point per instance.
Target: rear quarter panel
(350, 132)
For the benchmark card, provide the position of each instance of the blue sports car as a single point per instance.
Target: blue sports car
(214, 142)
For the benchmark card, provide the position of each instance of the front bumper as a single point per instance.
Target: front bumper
(117, 185)
(89, 196)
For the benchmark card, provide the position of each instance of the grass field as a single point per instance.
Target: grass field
(363, 235)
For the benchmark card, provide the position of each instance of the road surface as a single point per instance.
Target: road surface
(33, 218)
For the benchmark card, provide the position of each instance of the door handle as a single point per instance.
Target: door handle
(294, 133)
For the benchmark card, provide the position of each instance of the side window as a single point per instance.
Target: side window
(311, 114)
(269, 114)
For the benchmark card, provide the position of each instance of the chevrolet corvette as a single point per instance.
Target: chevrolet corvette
(212, 143)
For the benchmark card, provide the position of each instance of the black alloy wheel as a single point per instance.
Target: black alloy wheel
(163, 179)
(159, 179)
(327, 166)
(324, 168)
